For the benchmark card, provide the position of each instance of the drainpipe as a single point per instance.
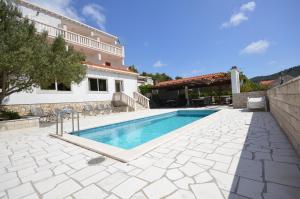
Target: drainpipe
(235, 80)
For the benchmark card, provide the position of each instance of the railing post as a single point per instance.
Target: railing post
(56, 124)
(72, 121)
(61, 125)
(78, 121)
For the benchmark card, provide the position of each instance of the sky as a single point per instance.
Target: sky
(194, 37)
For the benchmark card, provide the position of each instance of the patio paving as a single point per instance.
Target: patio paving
(237, 154)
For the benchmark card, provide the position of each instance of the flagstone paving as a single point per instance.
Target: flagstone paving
(237, 154)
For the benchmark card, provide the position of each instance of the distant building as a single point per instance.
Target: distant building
(144, 80)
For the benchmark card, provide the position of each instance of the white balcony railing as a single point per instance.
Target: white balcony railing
(78, 39)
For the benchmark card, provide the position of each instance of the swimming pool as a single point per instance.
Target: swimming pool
(130, 134)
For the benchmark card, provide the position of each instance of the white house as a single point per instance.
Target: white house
(106, 72)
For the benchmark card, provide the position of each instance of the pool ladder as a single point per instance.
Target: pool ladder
(60, 117)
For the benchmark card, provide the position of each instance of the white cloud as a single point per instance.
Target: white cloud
(96, 13)
(63, 7)
(158, 64)
(257, 47)
(195, 71)
(235, 20)
(250, 6)
(239, 17)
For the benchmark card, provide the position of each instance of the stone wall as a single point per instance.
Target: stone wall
(285, 107)
(239, 100)
(24, 109)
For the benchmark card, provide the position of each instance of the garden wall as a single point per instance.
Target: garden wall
(284, 103)
(239, 100)
(19, 123)
(24, 109)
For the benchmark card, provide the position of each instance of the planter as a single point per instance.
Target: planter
(19, 123)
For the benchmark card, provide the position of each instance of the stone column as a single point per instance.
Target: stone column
(186, 91)
(235, 80)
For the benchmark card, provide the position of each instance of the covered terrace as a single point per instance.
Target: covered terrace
(193, 91)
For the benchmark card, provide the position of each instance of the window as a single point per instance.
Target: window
(63, 87)
(97, 84)
(57, 87)
(107, 63)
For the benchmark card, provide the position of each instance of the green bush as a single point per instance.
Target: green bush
(145, 89)
(10, 115)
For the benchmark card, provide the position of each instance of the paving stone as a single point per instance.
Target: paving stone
(182, 159)
(37, 176)
(174, 174)
(95, 178)
(184, 183)
(123, 167)
(246, 168)
(87, 172)
(219, 158)
(206, 191)
(62, 190)
(225, 181)
(164, 162)
(46, 185)
(139, 195)
(61, 169)
(203, 177)
(8, 176)
(202, 161)
(282, 173)
(181, 194)
(191, 169)
(90, 192)
(276, 191)
(129, 187)
(159, 189)
(112, 181)
(221, 167)
(143, 162)
(152, 173)
(250, 188)
(20, 191)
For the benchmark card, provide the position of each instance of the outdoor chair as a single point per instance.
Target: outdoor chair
(256, 103)
(100, 109)
(56, 112)
(108, 108)
(87, 110)
(39, 112)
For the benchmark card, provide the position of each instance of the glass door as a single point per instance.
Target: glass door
(119, 85)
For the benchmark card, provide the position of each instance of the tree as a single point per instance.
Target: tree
(133, 69)
(157, 77)
(28, 60)
(178, 77)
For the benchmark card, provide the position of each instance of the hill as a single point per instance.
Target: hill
(293, 71)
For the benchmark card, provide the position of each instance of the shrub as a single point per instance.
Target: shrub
(10, 115)
(145, 89)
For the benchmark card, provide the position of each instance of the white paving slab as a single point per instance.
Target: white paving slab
(245, 155)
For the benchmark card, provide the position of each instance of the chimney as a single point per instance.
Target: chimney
(235, 80)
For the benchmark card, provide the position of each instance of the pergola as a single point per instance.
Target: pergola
(216, 79)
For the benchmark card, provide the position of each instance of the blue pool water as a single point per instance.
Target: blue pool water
(127, 135)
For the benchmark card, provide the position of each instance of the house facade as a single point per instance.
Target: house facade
(106, 70)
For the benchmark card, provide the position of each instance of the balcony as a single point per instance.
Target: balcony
(78, 39)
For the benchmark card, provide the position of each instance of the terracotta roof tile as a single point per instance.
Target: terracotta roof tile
(209, 78)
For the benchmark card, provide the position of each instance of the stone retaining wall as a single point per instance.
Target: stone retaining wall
(285, 107)
(239, 100)
(24, 109)
(20, 123)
